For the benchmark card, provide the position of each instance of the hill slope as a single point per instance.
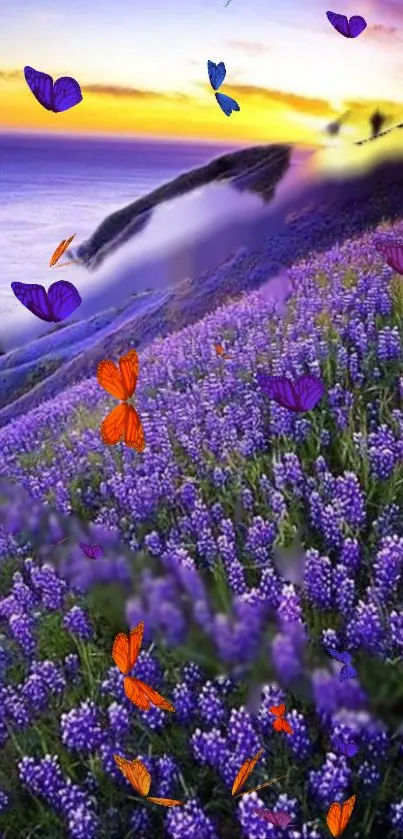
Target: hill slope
(329, 212)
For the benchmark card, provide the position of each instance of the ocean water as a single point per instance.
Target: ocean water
(52, 187)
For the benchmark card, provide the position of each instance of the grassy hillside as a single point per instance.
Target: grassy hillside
(225, 479)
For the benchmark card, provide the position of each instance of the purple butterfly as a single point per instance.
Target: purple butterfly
(60, 301)
(298, 397)
(391, 249)
(277, 819)
(346, 672)
(347, 748)
(349, 28)
(91, 551)
(60, 96)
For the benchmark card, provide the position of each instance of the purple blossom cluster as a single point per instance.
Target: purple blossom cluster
(226, 478)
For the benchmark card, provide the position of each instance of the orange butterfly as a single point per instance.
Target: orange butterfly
(60, 251)
(339, 815)
(125, 652)
(139, 777)
(220, 351)
(122, 421)
(280, 724)
(244, 772)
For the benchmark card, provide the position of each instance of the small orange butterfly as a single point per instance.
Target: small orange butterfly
(139, 777)
(243, 775)
(220, 351)
(339, 815)
(125, 652)
(123, 420)
(59, 252)
(280, 724)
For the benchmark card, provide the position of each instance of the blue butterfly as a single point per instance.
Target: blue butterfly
(216, 74)
(347, 748)
(346, 672)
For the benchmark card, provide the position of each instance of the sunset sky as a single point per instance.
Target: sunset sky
(142, 66)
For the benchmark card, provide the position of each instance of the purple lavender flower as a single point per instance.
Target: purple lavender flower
(190, 820)
(76, 621)
(330, 782)
(191, 533)
(80, 728)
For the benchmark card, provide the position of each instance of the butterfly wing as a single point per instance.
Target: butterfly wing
(285, 726)
(357, 24)
(135, 694)
(277, 710)
(60, 250)
(41, 85)
(135, 642)
(109, 378)
(267, 384)
(35, 299)
(136, 773)
(267, 815)
(120, 653)
(64, 299)
(91, 551)
(154, 697)
(392, 251)
(134, 432)
(57, 253)
(347, 672)
(66, 94)
(281, 389)
(333, 818)
(166, 802)
(129, 371)
(338, 816)
(220, 351)
(227, 103)
(276, 819)
(309, 390)
(282, 819)
(113, 426)
(343, 656)
(340, 23)
(216, 74)
(244, 772)
(396, 263)
(349, 749)
(346, 812)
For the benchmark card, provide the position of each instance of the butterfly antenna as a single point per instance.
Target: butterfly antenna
(255, 789)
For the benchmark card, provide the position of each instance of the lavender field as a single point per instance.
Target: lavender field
(226, 480)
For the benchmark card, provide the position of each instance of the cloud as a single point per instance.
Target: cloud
(278, 97)
(111, 90)
(132, 92)
(367, 106)
(107, 90)
(252, 48)
(10, 75)
(378, 31)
